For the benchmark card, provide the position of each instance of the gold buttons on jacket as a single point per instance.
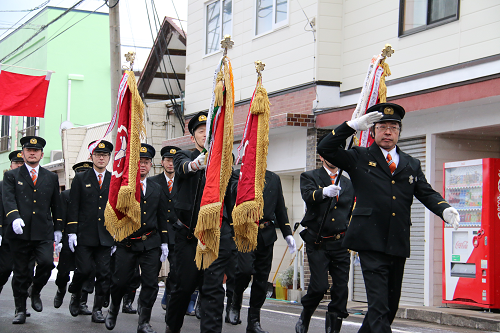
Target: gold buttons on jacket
(144, 213)
(144, 224)
(99, 207)
(100, 197)
(34, 190)
(33, 213)
(144, 201)
(34, 200)
(333, 220)
(394, 182)
(168, 220)
(168, 211)
(393, 214)
(99, 219)
(393, 198)
(169, 200)
(335, 207)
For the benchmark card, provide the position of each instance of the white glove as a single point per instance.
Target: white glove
(58, 248)
(197, 164)
(17, 226)
(291, 244)
(0, 240)
(57, 236)
(363, 123)
(113, 249)
(164, 252)
(451, 216)
(331, 191)
(72, 242)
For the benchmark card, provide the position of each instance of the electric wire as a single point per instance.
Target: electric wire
(25, 10)
(28, 12)
(106, 2)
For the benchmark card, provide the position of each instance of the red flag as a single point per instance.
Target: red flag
(23, 95)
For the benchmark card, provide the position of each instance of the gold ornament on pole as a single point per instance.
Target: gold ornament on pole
(387, 52)
(129, 57)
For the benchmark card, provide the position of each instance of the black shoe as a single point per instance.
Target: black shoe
(97, 316)
(333, 322)
(74, 304)
(127, 304)
(36, 301)
(84, 309)
(302, 325)
(110, 320)
(233, 315)
(144, 317)
(28, 314)
(228, 305)
(20, 314)
(58, 299)
(253, 325)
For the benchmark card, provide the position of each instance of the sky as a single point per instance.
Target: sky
(135, 34)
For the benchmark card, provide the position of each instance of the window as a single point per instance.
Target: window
(270, 14)
(5, 134)
(30, 127)
(219, 17)
(419, 15)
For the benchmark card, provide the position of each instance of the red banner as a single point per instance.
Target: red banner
(23, 95)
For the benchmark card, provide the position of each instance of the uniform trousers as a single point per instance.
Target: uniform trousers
(257, 263)
(231, 276)
(171, 277)
(383, 275)
(65, 265)
(329, 258)
(23, 251)
(126, 261)
(89, 259)
(6, 263)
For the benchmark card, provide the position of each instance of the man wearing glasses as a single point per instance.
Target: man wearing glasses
(385, 179)
(87, 235)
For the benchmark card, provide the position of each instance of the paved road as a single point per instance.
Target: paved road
(276, 317)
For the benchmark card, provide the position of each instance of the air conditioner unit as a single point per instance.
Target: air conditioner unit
(56, 155)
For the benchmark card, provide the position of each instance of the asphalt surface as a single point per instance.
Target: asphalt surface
(276, 317)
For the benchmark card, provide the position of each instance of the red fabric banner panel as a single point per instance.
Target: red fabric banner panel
(23, 95)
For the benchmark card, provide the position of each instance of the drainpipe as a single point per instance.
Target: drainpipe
(75, 77)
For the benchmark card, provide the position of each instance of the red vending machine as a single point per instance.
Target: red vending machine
(471, 254)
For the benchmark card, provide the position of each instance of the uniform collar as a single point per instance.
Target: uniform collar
(37, 168)
(97, 173)
(166, 177)
(393, 152)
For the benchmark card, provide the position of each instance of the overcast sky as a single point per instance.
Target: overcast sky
(134, 27)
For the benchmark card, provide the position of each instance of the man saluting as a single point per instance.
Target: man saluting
(30, 196)
(385, 179)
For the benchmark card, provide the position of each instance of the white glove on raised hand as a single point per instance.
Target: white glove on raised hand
(17, 226)
(113, 249)
(58, 248)
(0, 240)
(291, 244)
(72, 242)
(164, 252)
(331, 191)
(57, 236)
(363, 123)
(197, 164)
(451, 216)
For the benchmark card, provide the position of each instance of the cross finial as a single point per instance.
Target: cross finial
(259, 67)
(130, 57)
(387, 51)
(226, 43)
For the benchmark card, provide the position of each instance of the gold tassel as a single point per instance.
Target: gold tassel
(382, 88)
(219, 90)
(260, 102)
(245, 216)
(208, 228)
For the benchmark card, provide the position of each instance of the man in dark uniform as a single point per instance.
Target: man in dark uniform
(66, 262)
(33, 213)
(166, 180)
(146, 247)
(85, 227)
(329, 256)
(385, 179)
(190, 181)
(6, 258)
(258, 262)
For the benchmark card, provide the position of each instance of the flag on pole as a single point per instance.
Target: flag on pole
(23, 95)
(219, 145)
(249, 207)
(374, 90)
(123, 210)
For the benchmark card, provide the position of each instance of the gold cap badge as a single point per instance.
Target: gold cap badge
(389, 110)
(202, 118)
(173, 151)
(33, 141)
(86, 165)
(102, 145)
(19, 155)
(144, 150)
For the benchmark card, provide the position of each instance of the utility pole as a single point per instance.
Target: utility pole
(116, 68)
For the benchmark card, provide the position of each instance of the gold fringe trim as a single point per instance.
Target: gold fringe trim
(260, 102)
(219, 91)
(208, 231)
(245, 216)
(382, 88)
(126, 202)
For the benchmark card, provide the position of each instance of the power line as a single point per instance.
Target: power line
(42, 29)
(178, 18)
(25, 10)
(28, 12)
(52, 38)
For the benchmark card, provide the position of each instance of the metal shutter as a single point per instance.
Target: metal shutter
(413, 280)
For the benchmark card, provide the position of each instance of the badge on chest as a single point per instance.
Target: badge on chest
(88, 185)
(372, 164)
(411, 179)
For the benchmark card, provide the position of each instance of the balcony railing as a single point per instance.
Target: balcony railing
(28, 131)
(4, 144)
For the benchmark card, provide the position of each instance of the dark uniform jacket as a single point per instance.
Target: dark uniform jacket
(381, 219)
(86, 209)
(169, 199)
(2, 219)
(311, 187)
(64, 209)
(153, 221)
(39, 206)
(274, 208)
